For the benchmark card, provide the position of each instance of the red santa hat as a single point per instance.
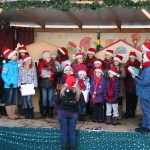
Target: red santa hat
(26, 57)
(5, 50)
(10, 53)
(82, 72)
(22, 49)
(46, 54)
(109, 52)
(91, 51)
(114, 71)
(147, 56)
(132, 55)
(118, 58)
(146, 46)
(63, 50)
(78, 55)
(71, 82)
(99, 69)
(66, 67)
(97, 61)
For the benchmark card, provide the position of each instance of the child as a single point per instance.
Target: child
(145, 47)
(84, 84)
(131, 98)
(96, 92)
(27, 75)
(69, 98)
(111, 95)
(10, 78)
(143, 92)
(121, 69)
(47, 83)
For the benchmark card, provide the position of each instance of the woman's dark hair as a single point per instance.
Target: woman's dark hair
(87, 58)
(7, 60)
(26, 53)
(65, 57)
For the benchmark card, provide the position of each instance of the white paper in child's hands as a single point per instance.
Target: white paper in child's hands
(135, 71)
(27, 89)
(46, 73)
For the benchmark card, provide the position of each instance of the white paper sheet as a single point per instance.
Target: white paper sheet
(46, 73)
(27, 89)
(86, 95)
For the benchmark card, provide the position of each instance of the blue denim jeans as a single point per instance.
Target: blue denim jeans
(81, 110)
(27, 101)
(145, 106)
(68, 129)
(47, 96)
(11, 95)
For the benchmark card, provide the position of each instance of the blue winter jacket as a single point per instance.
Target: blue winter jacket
(10, 74)
(143, 85)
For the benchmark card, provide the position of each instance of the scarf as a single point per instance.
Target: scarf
(111, 90)
(97, 80)
(90, 61)
(106, 60)
(59, 59)
(65, 75)
(81, 84)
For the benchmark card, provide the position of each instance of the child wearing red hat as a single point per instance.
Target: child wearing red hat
(131, 98)
(145, 47)
(68, 98)
(97, 94)
(27, 75)
(111, 95)
(121, 69)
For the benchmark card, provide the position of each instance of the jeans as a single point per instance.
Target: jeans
(47, 96)
(145, 106)
(68, 129)
(27, 101)
(19, 97)
(81, 110)
(11, 95)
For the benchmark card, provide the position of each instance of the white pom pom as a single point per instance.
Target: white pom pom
(67, 90)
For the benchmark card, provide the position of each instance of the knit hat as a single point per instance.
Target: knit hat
(132, 55)
(118, 58)
(5, 50)
(66, 67)
(26, 57)
(109, 52)
(114, 71)
(96, 61)
(10, 53)
(46, 54)
(82, 72)
(91, 51)
(146, 46)
(71, 82)
(147, 56)
(63, 50)
(78, 55)
(99, 69)
(22, 49)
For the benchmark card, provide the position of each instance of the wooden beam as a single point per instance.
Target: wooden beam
(23, 12)
(73, 19)
(77, 30)
(118, 23)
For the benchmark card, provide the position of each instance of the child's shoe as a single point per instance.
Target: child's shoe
(108, 120)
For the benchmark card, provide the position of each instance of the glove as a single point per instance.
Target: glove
(11, 85)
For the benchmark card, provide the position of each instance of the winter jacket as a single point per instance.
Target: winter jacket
(27, 77)
(86, 83)
(100, 90)
(10, 74)
(143, 85)
(116, 91)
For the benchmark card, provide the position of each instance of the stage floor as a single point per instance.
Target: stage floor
(124, 125)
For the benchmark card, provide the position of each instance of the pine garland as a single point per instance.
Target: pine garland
(65, 5)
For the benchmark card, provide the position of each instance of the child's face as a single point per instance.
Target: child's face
(14, 57)
(68, 71)
(80, 60)
(111, 75)
(29, 61)
(90, 56)
(98, 74)
(116, 62)
(22, 54)
(97, 65)
(108, 57)
(48, 59)
(132, 59)
(82, 76)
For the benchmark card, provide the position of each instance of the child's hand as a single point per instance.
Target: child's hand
(133, 76)
(94, 92)
(93, 96)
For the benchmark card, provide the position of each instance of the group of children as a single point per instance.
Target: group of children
(107, 82)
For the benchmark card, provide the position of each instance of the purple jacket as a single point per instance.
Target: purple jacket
(116, 91)
(99, 91)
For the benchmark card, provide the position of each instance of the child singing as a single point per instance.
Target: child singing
(96, 92)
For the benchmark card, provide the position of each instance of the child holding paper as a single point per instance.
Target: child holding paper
(96, 92)
(84, 84)
(27, 75)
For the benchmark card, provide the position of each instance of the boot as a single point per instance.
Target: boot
(127, 114)
(108, 120)
(50, 112)
(63, 147)
(3, 110)
(72, 147)
(20, 109)
(13, 109)
(26, 115)
(114, 121)
(31, 113)
(80, 117)
(83, 117)
(120, 112)
(9, 112)
(94, 116)
(132, 114)
(44, 112)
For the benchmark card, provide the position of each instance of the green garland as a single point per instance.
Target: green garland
(65, 5)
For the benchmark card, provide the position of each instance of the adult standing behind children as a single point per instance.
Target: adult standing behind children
(69, 98)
